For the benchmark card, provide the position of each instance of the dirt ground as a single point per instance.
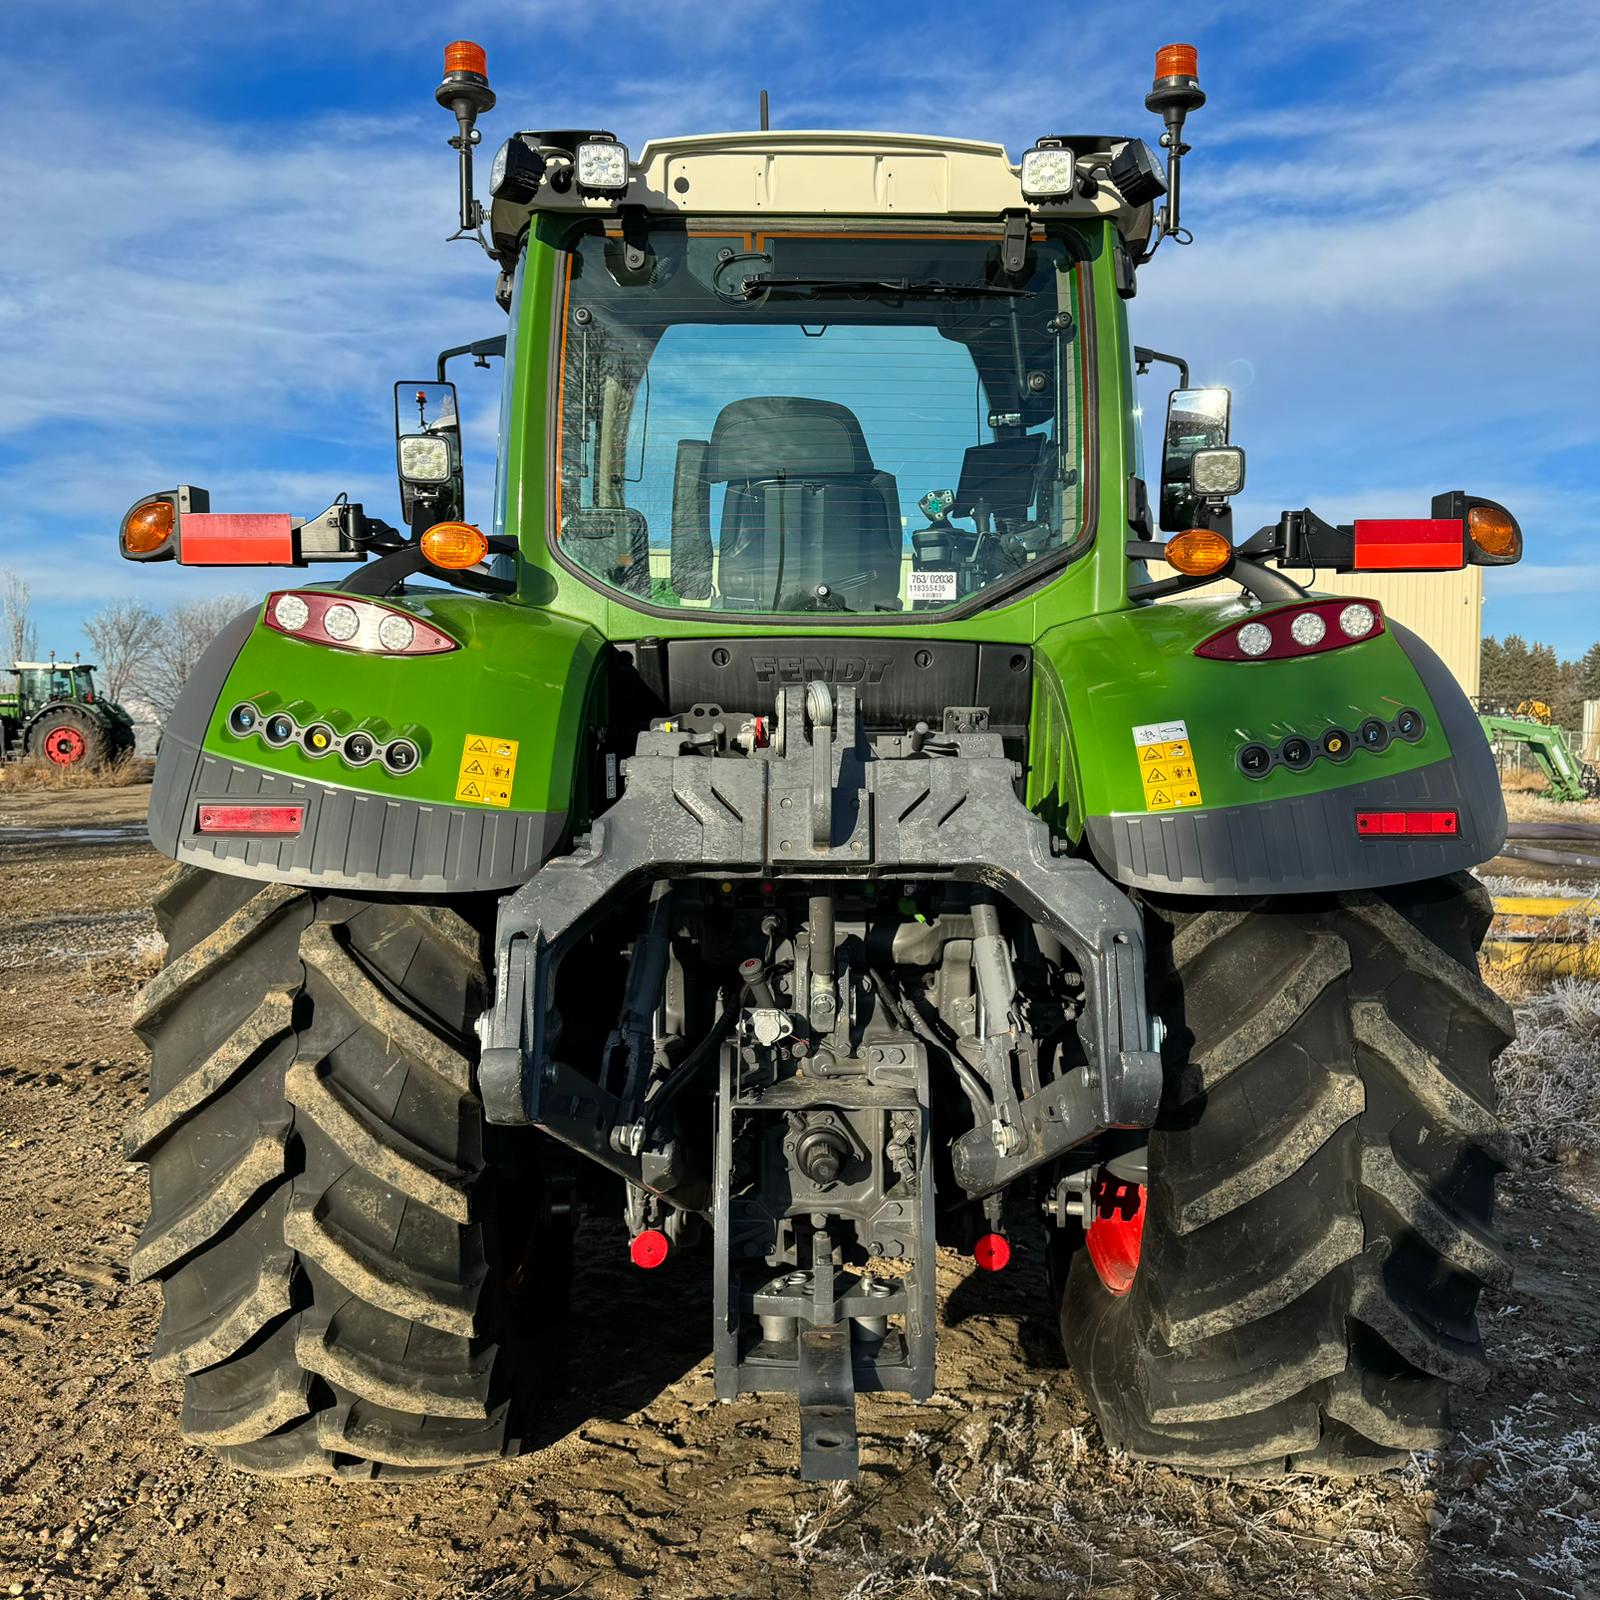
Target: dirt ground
(999, 1486)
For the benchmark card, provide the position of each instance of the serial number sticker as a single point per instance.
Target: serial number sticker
(930, 586)
(1166, 766)
(488, 764)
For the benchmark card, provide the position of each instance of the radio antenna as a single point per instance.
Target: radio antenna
(764, 122)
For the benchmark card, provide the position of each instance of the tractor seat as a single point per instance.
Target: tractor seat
(805, 506)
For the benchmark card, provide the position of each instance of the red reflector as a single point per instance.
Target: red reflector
(252, 819)
(649, 1249)
(235, 539)
(1423, 824)
(1408, 544)
(992, 1251)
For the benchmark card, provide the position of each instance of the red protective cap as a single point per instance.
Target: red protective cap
(649, 1248)
(462, 55)
(992, 1251)
(1177, 61)
(1115, 1236)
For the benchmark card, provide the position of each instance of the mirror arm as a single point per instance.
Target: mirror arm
(1143, 355)
(480, 350)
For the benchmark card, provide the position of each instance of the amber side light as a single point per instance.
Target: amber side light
(462, 55)
(1177, 61)
(1492, 530)
(454, 545)
(1198, 553)
(148, 527)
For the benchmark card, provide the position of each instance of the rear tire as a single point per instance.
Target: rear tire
(1317, 1222)
(353, 1264)
(68, 738)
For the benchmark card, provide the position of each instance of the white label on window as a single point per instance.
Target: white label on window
(930, 586)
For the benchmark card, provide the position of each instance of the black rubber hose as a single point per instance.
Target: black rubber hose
(1551, 858)
(1588, 831)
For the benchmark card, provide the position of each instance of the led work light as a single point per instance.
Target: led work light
(1218, 471)
(1049, 171)
(600, 166)
(516, 173)
(424, 458)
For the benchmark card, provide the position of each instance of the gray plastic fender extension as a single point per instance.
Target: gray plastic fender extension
(949, 816)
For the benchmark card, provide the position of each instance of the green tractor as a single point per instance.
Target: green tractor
(812, 823)
(56, 715)
(1530, 727)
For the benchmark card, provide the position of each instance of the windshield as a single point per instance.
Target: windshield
(783, 423)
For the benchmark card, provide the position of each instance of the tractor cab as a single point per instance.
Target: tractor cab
(39, 683)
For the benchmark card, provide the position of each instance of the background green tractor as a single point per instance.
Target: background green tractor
(816, 822)
(56, 714)
(1530, 726)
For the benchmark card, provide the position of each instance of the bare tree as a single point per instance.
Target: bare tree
(17, 632)
(181, 637)
(123, 633)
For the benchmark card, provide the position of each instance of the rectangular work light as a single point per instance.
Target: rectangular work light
(1049, 171)
(601, 166)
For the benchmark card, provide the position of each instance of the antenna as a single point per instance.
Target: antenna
(765, 123)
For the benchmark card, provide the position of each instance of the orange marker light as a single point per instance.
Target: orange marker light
(454, 545)
(462, 55)
(1177, 61)
(1198, 553)
(1493, 531)
(148, 527)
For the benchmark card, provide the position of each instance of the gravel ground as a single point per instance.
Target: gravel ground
(999, 1486)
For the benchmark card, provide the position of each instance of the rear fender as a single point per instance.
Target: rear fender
(460, 819)
(1107, 688)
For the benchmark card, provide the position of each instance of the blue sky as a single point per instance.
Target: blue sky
(225, 226)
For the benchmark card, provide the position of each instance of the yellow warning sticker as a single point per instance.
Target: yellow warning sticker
(1166, 766)
(488, 764)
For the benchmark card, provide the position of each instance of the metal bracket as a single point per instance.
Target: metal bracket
(635, 232)
(1014, 246)
(827, 1394)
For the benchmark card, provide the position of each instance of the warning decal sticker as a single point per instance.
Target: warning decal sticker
(488, 765)
(1166, 766)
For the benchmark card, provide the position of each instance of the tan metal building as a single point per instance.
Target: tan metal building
(1445, 608)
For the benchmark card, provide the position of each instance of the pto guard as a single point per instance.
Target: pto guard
(829, 807)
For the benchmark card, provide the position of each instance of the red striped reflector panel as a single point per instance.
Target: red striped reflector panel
(1410, 824)
(1406, 544)
(236, 539)
(273, 820)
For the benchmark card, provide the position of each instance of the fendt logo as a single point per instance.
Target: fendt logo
(830, 669)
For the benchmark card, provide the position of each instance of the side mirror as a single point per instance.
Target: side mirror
(1197, 419)
(427, 430)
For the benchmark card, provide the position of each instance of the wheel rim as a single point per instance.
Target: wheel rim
(64, 746)
(1116, 1231)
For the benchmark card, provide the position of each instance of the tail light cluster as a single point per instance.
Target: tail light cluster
(344, 622)
(1295, 630)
